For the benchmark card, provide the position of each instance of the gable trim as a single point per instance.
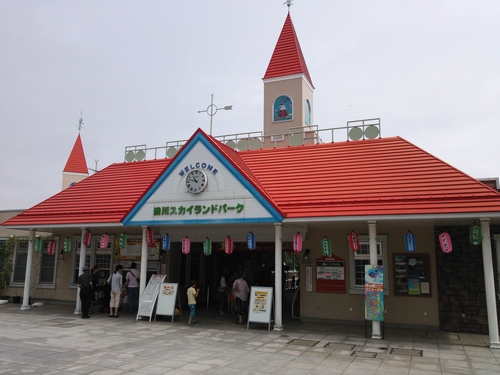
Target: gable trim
(240, 177)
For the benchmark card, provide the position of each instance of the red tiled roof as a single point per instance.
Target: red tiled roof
(388, 176)
(104, 197)
(235, 158)
(287, 58)
(76, 162)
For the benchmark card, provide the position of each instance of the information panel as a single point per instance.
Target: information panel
(148, 300)
(412, 275)
(167, 299)
(260, 305)
(330, 274)
(133, 250)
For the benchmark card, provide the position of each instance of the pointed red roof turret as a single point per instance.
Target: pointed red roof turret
(287, 57)
(76, 162)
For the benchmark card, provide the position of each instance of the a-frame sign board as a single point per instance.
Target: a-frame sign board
(166, 300)
(260, 305)
(148, 300)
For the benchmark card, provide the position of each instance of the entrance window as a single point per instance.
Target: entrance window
(20, 259)
(47, 274)
(3, 244)
(94, 255)
(362, 258)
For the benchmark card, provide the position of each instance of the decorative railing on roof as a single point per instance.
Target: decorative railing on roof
(354, 131)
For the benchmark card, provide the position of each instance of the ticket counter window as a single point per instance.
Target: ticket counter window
(94, 255)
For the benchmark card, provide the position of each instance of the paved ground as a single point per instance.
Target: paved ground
(51, 340)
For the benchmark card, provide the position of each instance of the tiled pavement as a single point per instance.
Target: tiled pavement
(51, 340)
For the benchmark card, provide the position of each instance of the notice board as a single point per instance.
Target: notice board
(330, 274)
(412, 275)
(148, 300)
(167, 299)
(260, 305)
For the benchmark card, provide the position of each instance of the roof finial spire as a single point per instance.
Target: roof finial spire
(288, 4)
(80, 122)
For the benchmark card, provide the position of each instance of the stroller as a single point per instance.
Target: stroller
(103, 295)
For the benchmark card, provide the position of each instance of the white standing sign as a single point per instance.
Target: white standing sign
(260, 305)
(148, 300)
(166, 300)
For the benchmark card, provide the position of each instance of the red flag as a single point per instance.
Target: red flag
(354, 241)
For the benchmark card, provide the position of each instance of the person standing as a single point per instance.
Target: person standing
(132, 283)
(116, 281)
(95, 283)
(223, 292)
(85, 284)
(241, 290)
(192, 293)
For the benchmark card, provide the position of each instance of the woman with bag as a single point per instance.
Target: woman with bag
(116, 281)
(132, 283)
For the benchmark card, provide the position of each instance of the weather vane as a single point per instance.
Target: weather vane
(288, 4)
(80, 122)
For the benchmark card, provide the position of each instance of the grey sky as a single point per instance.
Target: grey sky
(140, 71)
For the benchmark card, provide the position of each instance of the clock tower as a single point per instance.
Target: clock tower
(288, 94)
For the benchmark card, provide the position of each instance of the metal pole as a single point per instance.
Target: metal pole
(211, 114)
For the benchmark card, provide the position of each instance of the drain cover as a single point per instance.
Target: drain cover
(68, 325)
(410, 352)
(364, 354)
(302, 342)
(340, 346)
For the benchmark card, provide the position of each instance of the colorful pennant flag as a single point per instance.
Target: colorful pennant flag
(186, 245)
(475, 235)
(123, 240)
(228, 245)
(410, 243)
(297, 243)
(445, 242)
(354, 241)
(165, 242)
(251, 241)
(104, 241)
(207, 247)
(326, 246)
(67, 245)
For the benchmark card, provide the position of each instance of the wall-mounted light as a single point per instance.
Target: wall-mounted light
(306, 259)
(61, 254)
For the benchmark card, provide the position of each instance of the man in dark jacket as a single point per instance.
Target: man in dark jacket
(85, 285)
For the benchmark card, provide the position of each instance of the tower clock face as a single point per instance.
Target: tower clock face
(196, 181)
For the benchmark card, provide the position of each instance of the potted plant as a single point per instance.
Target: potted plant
(6, 251)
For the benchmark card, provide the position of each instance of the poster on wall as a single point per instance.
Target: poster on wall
(374, 292)
(309, 279)
(412, 275)
(330, 274)
(133, 250)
